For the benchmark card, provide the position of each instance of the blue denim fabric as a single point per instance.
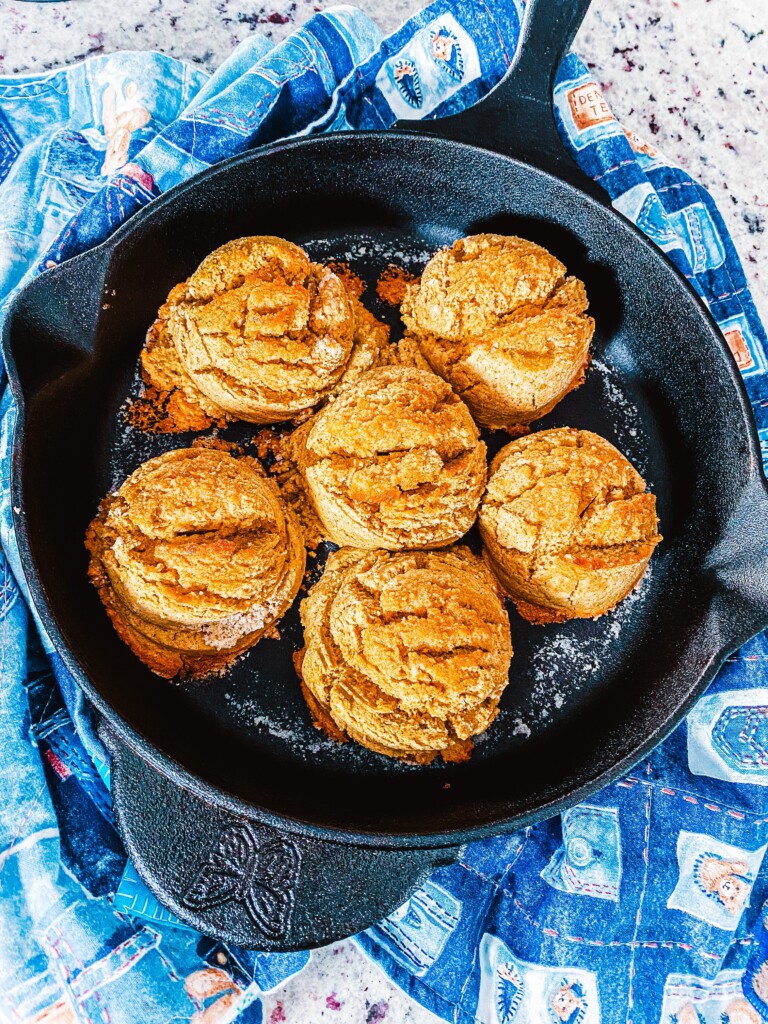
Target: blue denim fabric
(643, 904)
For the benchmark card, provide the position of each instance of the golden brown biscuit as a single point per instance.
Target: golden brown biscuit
(567, 523)
(195, 557)
(184, 407)
(498, 318)
(395, 461)
(407, 653)
(265, 334)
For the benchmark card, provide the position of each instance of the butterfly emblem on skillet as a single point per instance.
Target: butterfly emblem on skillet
(255, 868)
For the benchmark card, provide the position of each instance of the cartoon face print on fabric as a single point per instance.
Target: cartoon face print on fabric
(417, 932)
(435, 63)
(739, 1011)
(446, 52)
(689, 999)
(214, 994)
(122, 115)
(513, 991)
(408, 81)
(724, 880)
(588, 861)
(714, 879)
(566, 1001)
(728, 736)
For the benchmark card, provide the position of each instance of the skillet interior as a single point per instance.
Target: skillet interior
(593, 695)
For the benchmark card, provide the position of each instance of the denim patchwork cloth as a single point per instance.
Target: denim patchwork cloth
(644, 904)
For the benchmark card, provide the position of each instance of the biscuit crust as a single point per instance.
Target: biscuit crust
(498, 317)
(262, 333)
(407, 653)
(395, 461)
(195, 557)
(567, 524)
(187, 407)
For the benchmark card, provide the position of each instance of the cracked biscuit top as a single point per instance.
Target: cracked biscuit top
(261, 331)
(567, 522)
(193, 555)
(407, 653)
(498, 317)
(395, 461)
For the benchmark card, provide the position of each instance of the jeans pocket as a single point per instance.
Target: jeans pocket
(728, 736)
(589, 859)
(415, 934)
(110, 968)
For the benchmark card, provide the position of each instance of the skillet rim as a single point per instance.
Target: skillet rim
(176, 772)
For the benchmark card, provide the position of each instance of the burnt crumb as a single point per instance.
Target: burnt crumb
(352, 281)
(393, 284)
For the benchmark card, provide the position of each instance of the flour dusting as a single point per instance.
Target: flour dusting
(626, 417)
(577, 658)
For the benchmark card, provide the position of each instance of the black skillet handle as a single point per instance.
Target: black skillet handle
(243, 881)
(517, 118)
(48, 329)
(739, 563)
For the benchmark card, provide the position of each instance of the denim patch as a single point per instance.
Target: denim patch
(728, 736)
(9, 146)
(415, 934)
(714, 879)
(585, 115)
(693, 1000)
(747, 350)
(642, 206)
(589, 859)
(702, 244)
(515, 992)
(437, 61)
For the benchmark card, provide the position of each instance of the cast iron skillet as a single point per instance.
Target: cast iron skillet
(238, 815)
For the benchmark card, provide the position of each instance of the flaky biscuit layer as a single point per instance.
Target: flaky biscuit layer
(407, 653)
(567, 523)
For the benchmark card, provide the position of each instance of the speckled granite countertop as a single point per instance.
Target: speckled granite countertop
(690, 75)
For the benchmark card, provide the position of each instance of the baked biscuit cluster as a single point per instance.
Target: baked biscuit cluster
(499, 319)
(258, 333)
(195, 558)
(406, 652)
(407, 640)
